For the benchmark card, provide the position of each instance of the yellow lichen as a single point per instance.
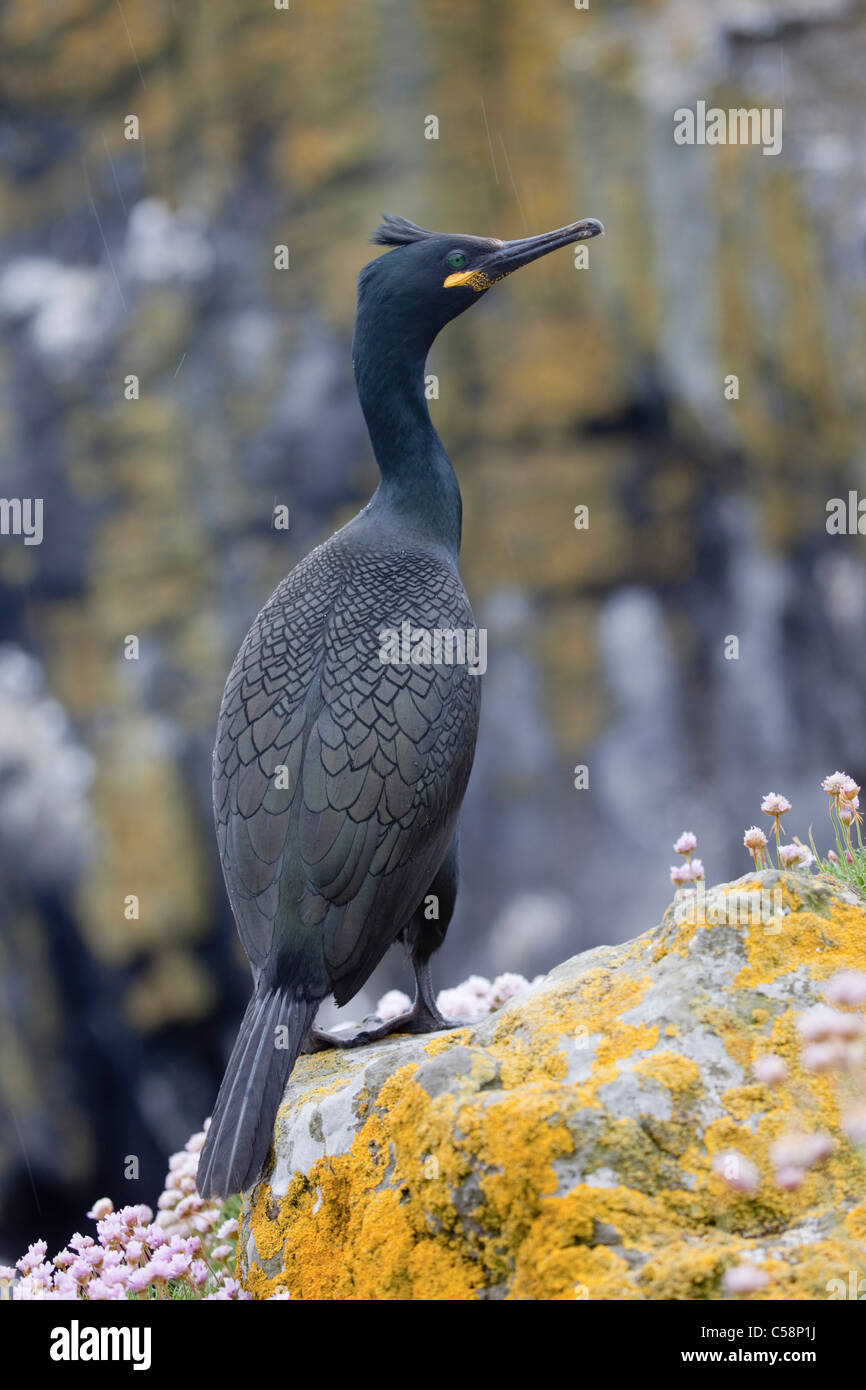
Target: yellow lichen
(679, 1074)
(806, 938)
(446, 1041)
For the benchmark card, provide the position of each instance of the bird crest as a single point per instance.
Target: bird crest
(398, 231)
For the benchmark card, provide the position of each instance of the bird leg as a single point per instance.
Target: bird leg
(423, 1017)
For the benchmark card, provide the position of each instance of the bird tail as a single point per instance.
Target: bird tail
(242, 1125)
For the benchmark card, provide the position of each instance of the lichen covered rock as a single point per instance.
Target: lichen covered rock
(563, 1148)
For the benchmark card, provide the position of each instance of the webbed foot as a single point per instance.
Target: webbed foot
(419, 1019)
(423, 1017)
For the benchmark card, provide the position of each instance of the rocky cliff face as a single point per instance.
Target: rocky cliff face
(148, 252)
(579, 1142)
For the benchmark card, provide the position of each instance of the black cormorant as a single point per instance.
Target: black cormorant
(338, 775)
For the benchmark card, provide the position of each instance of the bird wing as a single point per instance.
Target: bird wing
(324, 870)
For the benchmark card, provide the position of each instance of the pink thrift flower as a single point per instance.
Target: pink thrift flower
(104, 1207)
(794, 856)
(838, 784)
(37, 1279)
(770, 1069)
(775, 805)
(25, 1290)
(101, 1291)
(854, 1123)
(821, 1022)
(178, 1266)
(195, 1143)
(392, 1005)
(111, 1230)
(800, 1150)
(139, 1279)
(229, 1289)
(826, 1056)
(821, 1147)
(35, 1256)
(505, 987)
(205, 1221)
(160, 1266)
(680, 874)
(789, 1179)
(187, 1205)
(743, 1279)
(686, 843)
(848, 987)
(473, 999)
(228, 1229)
(755, 840)
(65, 1286)
(736, 1170)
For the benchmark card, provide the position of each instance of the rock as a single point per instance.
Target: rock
(563, 1147)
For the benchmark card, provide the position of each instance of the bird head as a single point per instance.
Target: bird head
(431, 277)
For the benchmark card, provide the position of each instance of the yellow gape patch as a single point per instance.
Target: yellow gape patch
(476, 279)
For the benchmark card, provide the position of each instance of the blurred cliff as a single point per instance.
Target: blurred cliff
(153, 258)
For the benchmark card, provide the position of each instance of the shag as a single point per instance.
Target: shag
(338, 774)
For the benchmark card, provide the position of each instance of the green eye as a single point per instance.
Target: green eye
(456, 260)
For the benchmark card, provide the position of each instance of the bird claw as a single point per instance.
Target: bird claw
(319, 1041)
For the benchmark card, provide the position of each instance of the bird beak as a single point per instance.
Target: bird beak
(511, 255)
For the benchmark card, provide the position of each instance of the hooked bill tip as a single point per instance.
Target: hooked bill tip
(591, 226)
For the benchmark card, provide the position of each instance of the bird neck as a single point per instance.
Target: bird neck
(418, 488)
